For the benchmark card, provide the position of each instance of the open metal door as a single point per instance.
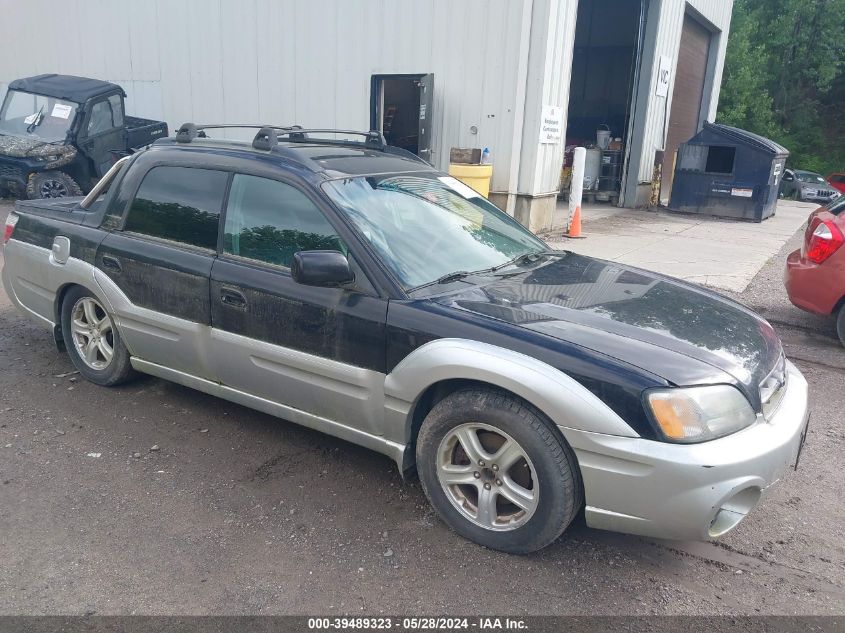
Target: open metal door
(426, 87)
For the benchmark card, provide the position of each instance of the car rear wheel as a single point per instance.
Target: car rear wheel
(51, 184)
(92, 339)
(840, 324)
(497, 471)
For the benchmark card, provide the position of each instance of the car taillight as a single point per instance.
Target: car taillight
(11, 221)
(823, 241)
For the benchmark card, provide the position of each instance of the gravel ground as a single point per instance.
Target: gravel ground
(155, 499)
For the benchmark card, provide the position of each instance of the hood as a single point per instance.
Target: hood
(659, 324)
(34, 147)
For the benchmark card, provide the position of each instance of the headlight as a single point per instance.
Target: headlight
(698, 414)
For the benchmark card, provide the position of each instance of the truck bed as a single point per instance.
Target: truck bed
(65, 209)
(141, 132)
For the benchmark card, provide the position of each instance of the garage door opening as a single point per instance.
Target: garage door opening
(687, 96)
(604, 66)
(400, 108)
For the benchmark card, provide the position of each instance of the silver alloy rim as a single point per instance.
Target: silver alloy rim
(487, 476)
(93, 334)
(53, 189)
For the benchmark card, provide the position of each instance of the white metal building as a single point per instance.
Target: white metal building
(472, 73)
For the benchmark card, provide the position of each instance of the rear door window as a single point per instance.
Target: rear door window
(179, 204)
(269, 221)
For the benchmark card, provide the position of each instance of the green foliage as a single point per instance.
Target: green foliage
(785, 77)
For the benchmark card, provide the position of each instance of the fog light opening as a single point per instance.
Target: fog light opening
(733, 510)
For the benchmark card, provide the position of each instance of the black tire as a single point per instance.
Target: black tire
(550, 457)
(118, 368)
(51, 184)
(840, 324)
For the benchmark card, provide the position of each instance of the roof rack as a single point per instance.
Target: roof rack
(268, 135)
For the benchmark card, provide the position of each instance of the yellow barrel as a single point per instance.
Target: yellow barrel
(475, 176)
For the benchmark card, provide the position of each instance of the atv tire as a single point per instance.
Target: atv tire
(51, 184)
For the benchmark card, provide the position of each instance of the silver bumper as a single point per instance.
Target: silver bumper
(694, 491)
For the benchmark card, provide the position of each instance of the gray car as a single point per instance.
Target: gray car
(806, 186)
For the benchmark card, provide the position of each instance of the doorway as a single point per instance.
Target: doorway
(401, 108)
(608, 40)
(687, 96)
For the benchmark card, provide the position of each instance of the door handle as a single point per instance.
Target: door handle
(112, 264)
(233, 298)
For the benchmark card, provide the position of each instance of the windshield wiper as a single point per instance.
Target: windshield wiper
(458, 274)
(36, 121)
(443, 279)
(525, 258)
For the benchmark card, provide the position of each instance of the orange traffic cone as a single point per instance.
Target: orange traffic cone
(574, 230)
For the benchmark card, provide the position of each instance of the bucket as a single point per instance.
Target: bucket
(603, 137)
(475, 176)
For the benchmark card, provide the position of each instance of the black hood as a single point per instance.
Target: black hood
(634, 315)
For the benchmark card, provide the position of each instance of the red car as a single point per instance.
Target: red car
(837, 181)
(815, 274)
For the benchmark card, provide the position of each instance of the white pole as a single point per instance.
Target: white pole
(576, 185)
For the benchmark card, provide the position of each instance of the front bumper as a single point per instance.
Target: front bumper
(808, 197)
(691, 491)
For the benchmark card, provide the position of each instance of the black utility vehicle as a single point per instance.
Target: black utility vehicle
(59, 134)
(354, 289)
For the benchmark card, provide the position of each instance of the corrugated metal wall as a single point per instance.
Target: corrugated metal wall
(667, 42)
(296, 61)
(496, 62)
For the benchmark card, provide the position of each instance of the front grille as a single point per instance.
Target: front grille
(773, 388)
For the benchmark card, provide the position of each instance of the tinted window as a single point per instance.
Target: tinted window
(181, 204)
(269, 221)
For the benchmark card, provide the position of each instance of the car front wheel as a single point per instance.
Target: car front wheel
(497, 471)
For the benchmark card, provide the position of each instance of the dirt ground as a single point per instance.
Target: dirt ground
(152, 498)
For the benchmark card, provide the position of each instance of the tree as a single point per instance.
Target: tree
(785, 77)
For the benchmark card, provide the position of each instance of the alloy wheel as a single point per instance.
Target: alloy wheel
(487, 476)
(93, 333)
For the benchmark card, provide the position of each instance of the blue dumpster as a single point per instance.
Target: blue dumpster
(728, 172)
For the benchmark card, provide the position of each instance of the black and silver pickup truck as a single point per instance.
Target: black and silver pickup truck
(59, 134)
(352, 288)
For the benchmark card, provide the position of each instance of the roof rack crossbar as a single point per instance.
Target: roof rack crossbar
(263, 139)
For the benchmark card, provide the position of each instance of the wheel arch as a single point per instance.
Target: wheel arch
(441, 367)
(61, 293)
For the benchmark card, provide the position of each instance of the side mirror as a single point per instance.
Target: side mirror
(321, 268)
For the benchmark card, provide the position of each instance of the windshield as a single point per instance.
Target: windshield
(425, 226)
(806, 176)
(35, 116)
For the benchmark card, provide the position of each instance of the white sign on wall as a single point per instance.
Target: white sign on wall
(551, 124)
(664, 74)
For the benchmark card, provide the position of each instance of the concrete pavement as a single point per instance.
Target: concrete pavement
(723, 254)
